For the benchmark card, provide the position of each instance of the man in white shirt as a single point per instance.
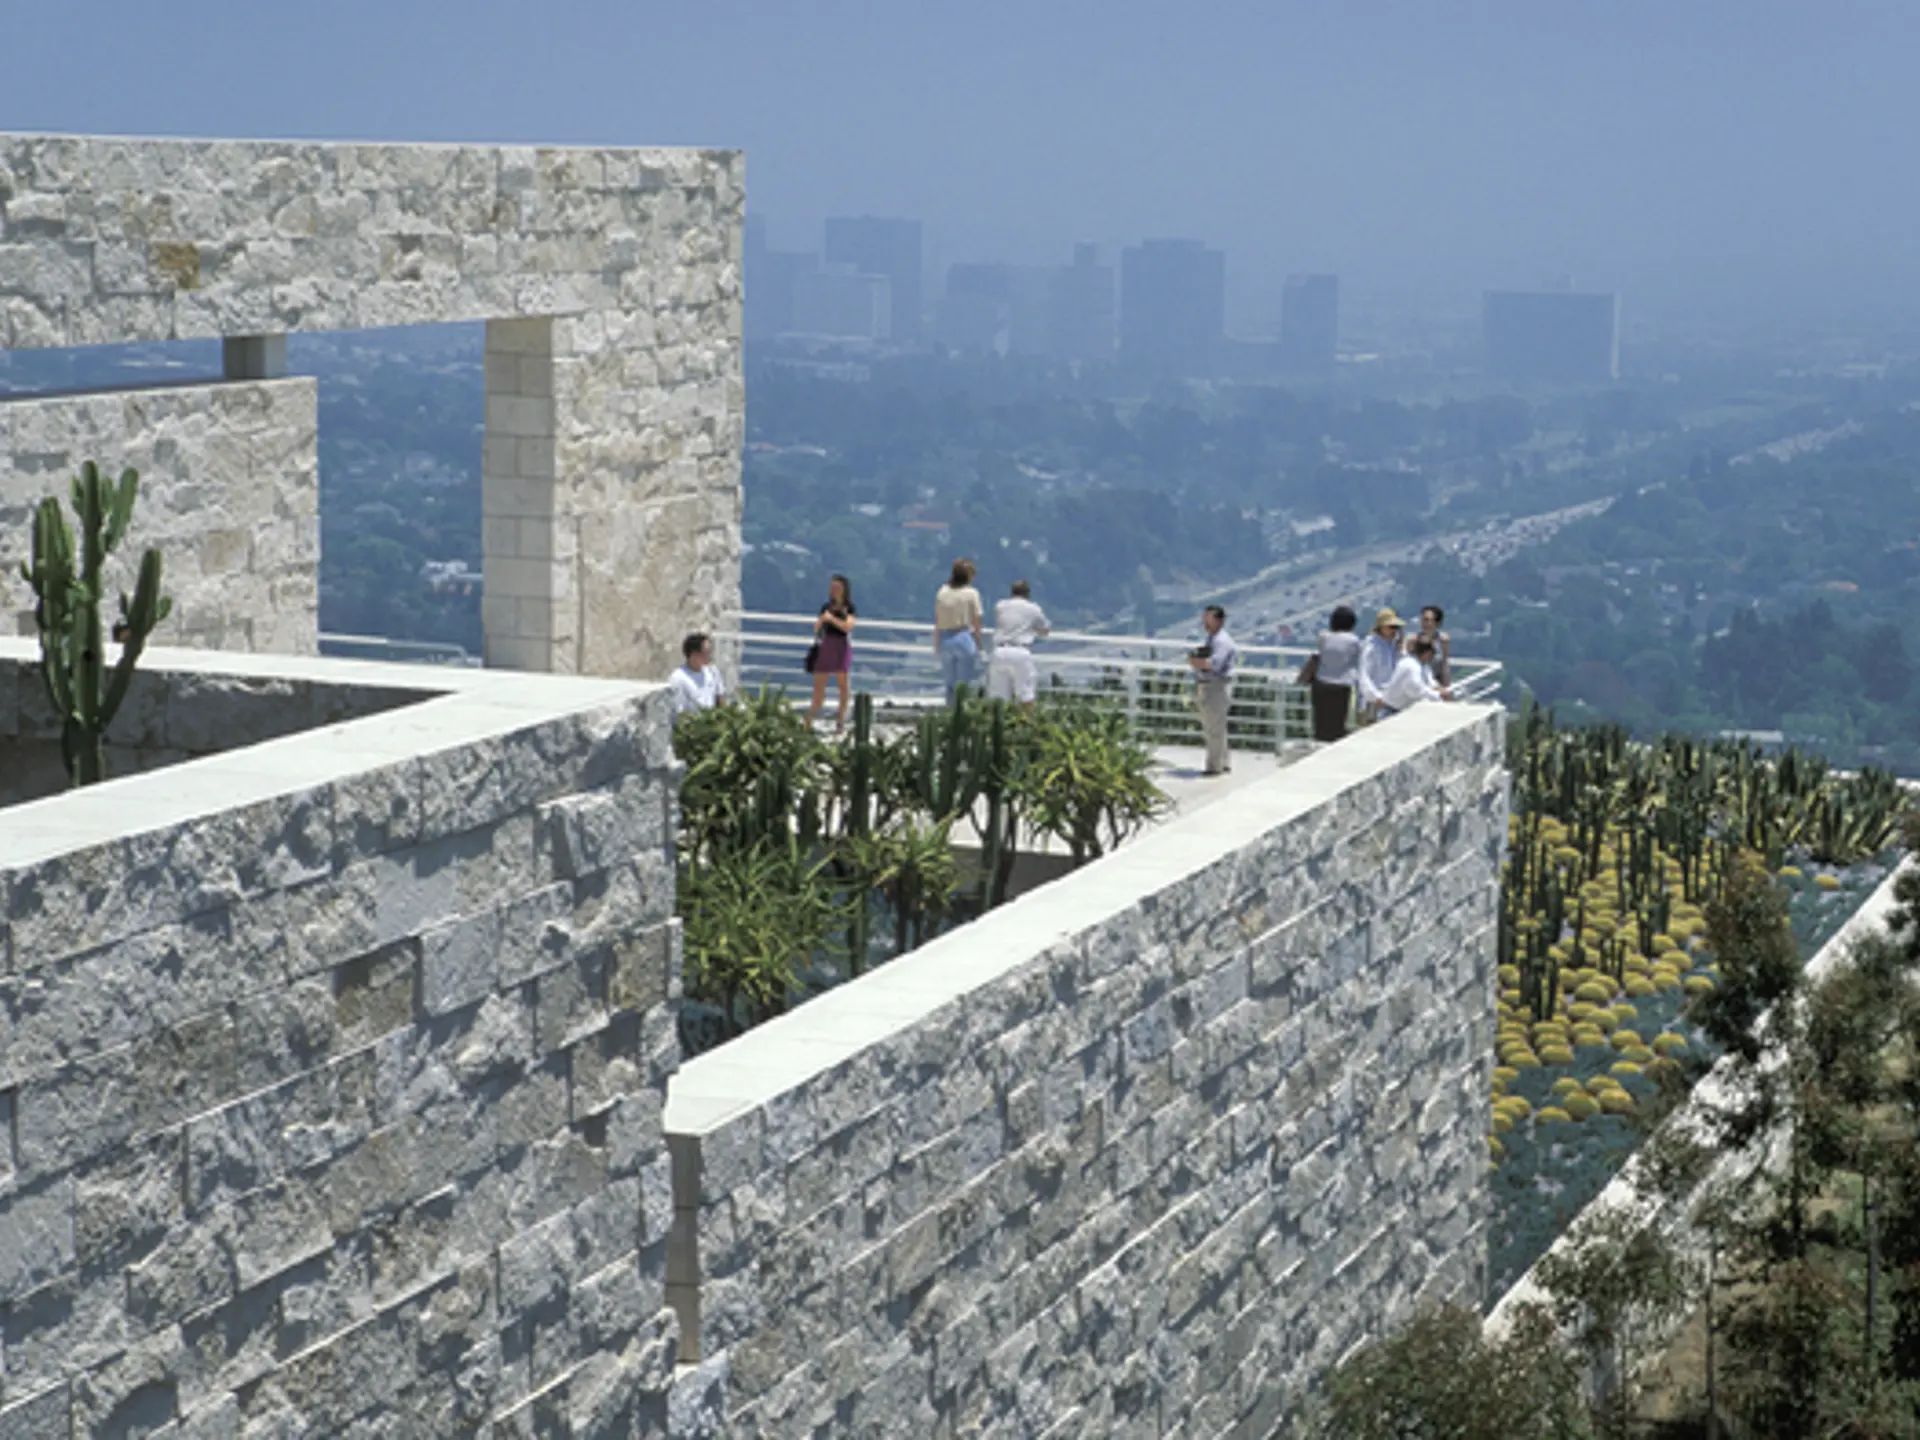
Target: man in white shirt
(697, 685)
(1379, 657)
(1213, 666)
(1017, 623)
(1412, 681)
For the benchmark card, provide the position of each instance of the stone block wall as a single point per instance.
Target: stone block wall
(531, 603)
(625, 264)
(178, 708)
(229, 492)
(331, 1078)
(1142, 1153)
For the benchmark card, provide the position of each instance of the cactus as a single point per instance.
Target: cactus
(860, 786)
(1003, 822)
(86, 693)
(859, 816)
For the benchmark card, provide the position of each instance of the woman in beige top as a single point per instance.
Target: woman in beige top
(956, 628)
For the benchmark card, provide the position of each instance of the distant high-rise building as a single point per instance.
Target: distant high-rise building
(975, 311)
(841, 301)
(1173, 306)
(1310, 323)
(1060, 310)
(1555, 336)
(995, 307)
(1080, 319)
(875, 246)
(771, 277)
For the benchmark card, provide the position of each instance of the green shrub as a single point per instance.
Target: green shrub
(1440, 1378)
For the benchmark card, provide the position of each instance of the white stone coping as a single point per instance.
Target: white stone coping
(784, 1053)
(465, 706)
(1714, 1092)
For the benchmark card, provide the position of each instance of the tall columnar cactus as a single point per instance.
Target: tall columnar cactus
(86, 692)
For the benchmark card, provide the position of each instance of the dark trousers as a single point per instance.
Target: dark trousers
(1331, 705)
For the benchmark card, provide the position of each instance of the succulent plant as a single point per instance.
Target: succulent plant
(69, 592)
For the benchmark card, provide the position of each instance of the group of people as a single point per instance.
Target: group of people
(1351, 676)
(958, 641)
(1378, 675)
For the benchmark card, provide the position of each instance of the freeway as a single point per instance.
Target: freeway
(1290, 595)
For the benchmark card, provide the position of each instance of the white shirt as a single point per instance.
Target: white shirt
(694, 690)
(1409, 686)
(1379, 658)
(1222, 656)
(1017, 623)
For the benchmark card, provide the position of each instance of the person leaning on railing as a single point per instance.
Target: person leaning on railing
(956, 628)
(1017, 623)
(1213, 665)
(1432, 617)
(1412, 681)
(1379, 655)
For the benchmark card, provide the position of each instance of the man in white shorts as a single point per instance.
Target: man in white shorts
(1017, 623)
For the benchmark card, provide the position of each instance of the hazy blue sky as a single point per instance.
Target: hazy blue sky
(1745, 151)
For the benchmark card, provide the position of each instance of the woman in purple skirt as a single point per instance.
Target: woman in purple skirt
(833, 647)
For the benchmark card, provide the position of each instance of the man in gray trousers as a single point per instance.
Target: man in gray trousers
(1213, 664)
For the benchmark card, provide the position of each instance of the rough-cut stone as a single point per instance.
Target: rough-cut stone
(1209, 1118)
(307, 1123)
(610, 281)
(176, 715)
(229, 494)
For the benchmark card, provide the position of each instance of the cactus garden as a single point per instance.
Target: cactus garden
(803, 861)
(1616, 851)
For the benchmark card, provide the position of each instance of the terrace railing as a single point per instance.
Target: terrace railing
(895, 660)
(407, 652)
(1149, 678)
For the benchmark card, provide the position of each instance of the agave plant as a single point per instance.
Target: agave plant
(755, 771)
(912, 868)
(751, 916)
(1087, 780)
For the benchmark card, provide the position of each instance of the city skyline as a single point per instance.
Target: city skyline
(1703, 158)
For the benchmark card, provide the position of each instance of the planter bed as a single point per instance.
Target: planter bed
(1616, 853)
(1552, 1170)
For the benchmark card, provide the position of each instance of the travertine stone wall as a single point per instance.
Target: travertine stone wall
(1141, 1153)
(170, 715)
(627, 260)
(331, 1076)
(229, 491)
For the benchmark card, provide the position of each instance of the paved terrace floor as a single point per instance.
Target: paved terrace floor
(1177, 771)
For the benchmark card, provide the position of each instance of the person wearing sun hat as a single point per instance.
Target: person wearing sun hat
(1379, 655)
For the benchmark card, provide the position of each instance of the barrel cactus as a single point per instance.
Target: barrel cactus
(1580, 1106)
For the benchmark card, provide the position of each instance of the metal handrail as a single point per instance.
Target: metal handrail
(897, 662)
(405, 652)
